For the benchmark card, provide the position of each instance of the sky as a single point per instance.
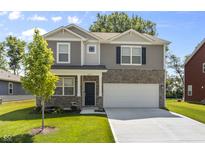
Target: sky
(184, 29)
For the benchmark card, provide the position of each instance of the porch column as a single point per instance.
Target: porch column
(78, 87)
(100, 84)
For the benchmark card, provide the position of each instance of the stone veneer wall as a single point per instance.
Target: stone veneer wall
(113, 76)
(137, 76)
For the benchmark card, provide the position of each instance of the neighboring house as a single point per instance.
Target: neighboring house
(11, 88)
(195, 74)
(107, 69)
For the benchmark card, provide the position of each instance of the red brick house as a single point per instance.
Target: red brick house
(195, 74)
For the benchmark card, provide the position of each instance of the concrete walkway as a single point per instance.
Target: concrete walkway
(153, 125)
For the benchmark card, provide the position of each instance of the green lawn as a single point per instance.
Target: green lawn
(194, 111)
(17, 120)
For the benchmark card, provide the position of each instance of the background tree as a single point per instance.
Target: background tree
(15, 52)
(175, 63)
(38, 78)
(3, 62)
(177, 80)
(174, 87)
(120, 22)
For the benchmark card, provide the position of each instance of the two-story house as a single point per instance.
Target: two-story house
(107, 69)
(195, 74)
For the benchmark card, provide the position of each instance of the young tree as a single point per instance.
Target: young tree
(120, 22)
(3, 62)
(15, 52)
(38, 78)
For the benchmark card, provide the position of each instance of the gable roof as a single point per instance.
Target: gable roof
(83, 30)
(107, 36)
(129, 31)
(62, 28)
(8, 76)
(195, 50)
(111, 36)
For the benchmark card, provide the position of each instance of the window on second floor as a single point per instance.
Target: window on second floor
(63, 52)
(131, 55)
(203, 67)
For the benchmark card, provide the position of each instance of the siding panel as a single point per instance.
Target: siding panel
(154, 57)
(75, 51)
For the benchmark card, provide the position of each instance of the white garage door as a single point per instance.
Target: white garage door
(131, 95)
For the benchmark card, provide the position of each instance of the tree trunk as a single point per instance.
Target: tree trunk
(43, 109)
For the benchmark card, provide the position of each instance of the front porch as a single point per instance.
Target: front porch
(87, 90)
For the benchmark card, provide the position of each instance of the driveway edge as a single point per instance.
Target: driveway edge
(113, 132)
(181, 115)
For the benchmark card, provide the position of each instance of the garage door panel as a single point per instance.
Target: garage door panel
(131, 95)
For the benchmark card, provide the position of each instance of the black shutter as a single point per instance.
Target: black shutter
(143, 55)
(118, 55)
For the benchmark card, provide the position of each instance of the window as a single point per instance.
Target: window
(189, 90)
(131, 55)
(69, 86)
(91, 49)
(10, 88)
(65, 87)
(63, 52)
(203, 67)
(59, 87)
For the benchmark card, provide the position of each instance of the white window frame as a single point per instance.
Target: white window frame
(58, 52)
(189, 89)
(10, 83)
(91, 45)
(69, 86)
(128, 46)
(203, 67)
(63, 86)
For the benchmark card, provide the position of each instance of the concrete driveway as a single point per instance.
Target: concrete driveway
(153, 125)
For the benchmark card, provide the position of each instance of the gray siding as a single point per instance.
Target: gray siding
(91, 59)
(154, 57)
(75, 51)
(3, 88)
(17, 88)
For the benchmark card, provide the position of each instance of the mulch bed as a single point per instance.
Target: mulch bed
(46, 130)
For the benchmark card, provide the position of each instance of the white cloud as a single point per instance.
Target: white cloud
(73, 20)
(3, 13)
(56, 19)
(28, 34)
(37, 18)
(15, 15)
